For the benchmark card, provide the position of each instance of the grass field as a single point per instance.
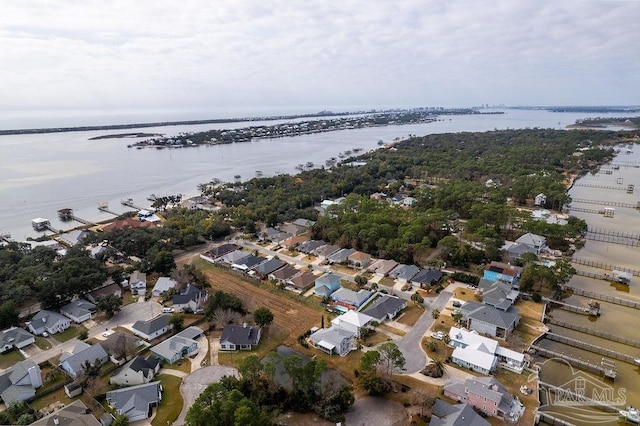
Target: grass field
(10, 358)
(171, 405)
(69, 333)
(411, 314)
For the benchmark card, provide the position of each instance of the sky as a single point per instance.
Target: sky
(316, 54)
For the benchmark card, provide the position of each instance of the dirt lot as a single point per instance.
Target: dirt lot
(290, 315)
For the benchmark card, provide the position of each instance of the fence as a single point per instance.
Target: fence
(611, 299)
(596, 333)
(601, 265)
(591, 348)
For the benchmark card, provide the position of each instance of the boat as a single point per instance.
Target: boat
(152, 197)
(65, 214)
(636, 360)
(40, 224)
(631, 414)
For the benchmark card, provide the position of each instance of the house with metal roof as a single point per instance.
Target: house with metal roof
(239, 337)
(445, 414)
(353, 321)
(349, 299)
(19, 383)
(74, 414)
(15, 337)
(136, 402)
(48, 322)
(72, 362)
(326, 284)
(385, 307)
(152, 328)
(182, 345)
(136, 372)
(163, 284)
(79, 310)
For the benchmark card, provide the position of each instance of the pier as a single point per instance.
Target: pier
(606, 203)
(568, 393)
(605, 369)
(83, 221)
(5, 236)
(592, 332)
(589, 347)
(593, 185)
(603, 297)
(549, 419)
(606, 266)
(591, 311)
(129, 203)
(104, 207)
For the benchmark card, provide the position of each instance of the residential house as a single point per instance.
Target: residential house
(14, 337)
(498, 271)
(292, 243)
(120, 345)
(323, 252)
(445, 414)
(191, 299)
(48, 322)
(349, 299)
(493, 182)
(382, 267)
(19, 383)
(487, 395)
(72, 362)
(265, 268)
(239, 337)
(273, 235)
(182, 345)
(152, 328)
(305, 223)
(491, 321)
(359, 260)
(353, 321)
(163, 284)
(310, 246)
(79, 310)
(499, 294)
(111, 289)
(301, 282)
(292, 229)
(74, 414)
(540, 200)
(514, 251)
(135, 402)
(216, 252)
(326, 284)
(136, 372)
(385, 307)
(341, 256)
(427, 277)
(138, 283)
(282, 275)
(127, 223)
(334, 340)
(74, 237)
(482, 354)
(537, 242)
(248, 262)
(404, 273)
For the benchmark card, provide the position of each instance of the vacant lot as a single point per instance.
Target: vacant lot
(291, 315)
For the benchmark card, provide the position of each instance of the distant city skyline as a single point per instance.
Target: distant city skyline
(286, 56)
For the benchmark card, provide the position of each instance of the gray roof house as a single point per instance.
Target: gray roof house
(163, 284)
(334, 340)
(239, 337)
(19, 383)
(137, 371)
(248, 262)
(190, 299)
(74, 414)
(265, 268)
(487, 395)
(283, 274)
(306, 223)
(219, 251)
(538, 242)
(445, 414)
(404, 273)
(385, 307)
(136, 402)
(427, 277)
(81, 353)
(138, 283)
(181, 345)
(152, 328)
(499, 294)
(350, 299)
(489, 320)
(111, 289)
(310, 246)
(382, 267)
(15, 338)
(325, 251)
(340, 256)
(48, 321)
(79, 310)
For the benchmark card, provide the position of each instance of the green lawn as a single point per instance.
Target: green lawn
(171, 405)
(69, 333)
(43, 343)
(183, 365)
(9, 359)
(269, 341)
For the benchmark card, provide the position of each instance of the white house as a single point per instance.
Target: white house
(334, 340)
(49, 322)
(540, 199)
(138, 283)
(79, 310)
(152, 328)
(163, 284)
(72, 362)
(482, 354)
(353, 321)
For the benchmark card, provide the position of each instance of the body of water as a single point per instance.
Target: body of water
(42, 173)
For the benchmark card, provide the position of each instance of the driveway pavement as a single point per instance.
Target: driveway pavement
(193, 385)
(411, 343)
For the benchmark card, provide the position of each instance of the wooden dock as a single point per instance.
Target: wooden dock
(129, 203)
(83, 221)
(606, 203)
(592, 332)
(577, 397)
(589, 347)
(607, 187)
(603, 297)
(569, 307)
(606, 266)
(605, 370)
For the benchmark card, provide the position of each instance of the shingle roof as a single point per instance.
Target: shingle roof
(78, 308)
(445, 414)
(151, 326)
(383, 306)
(309, 246)
(46, 318)
(135, 400)
(240, 335)
(285, 273)
(74, 414)
(493, 316)
(269, 266)
(427, 276)
(14, 336)
(81, 354)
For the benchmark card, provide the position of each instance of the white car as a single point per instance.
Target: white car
(439, 335)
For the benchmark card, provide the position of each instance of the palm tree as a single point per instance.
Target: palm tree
(436, 368)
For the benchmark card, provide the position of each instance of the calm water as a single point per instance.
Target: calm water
(40, 174)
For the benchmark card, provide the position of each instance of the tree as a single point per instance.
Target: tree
(391, 359)
(263, 317)
(9, 314)
(120, 420)
(435, 313)
(222, 317)
(436, 368)
(164, 262)
(109, 304)
(417, 298)
(177, 321)
(457, 317)
(361, 281)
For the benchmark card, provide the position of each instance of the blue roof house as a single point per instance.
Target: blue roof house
(327, 284)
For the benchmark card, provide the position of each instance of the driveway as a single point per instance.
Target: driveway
(411, 343)
(193, 385)
(372, 411)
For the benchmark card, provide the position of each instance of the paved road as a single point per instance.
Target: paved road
(411, 343)
(128, 315)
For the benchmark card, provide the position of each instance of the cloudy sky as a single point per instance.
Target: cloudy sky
(288, 54)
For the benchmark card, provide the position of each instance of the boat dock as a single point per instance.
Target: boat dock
(606, 203)
(591, 348)
(104, 207)
(574, 396)
(592, 310)
(603, 297)
(601, 265)
(606, 368)
(129, 203)
(592, 332)
(592, 185)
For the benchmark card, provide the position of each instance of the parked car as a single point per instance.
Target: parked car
(456, 304)
(438, 335)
